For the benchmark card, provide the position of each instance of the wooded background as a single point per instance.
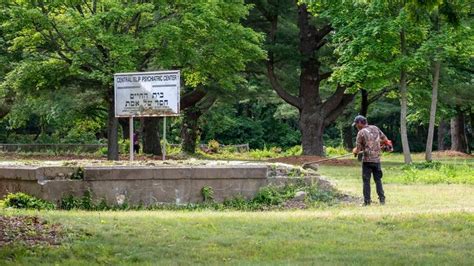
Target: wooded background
(271, 73)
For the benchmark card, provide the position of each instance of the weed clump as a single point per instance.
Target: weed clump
(24, 201)
(437, 173)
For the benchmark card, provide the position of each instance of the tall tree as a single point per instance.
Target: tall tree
(92, 40)
(315, 112)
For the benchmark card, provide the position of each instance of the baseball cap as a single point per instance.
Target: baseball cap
(359, 118)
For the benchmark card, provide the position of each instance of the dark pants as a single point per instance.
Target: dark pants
(136, 148)
(367, 170)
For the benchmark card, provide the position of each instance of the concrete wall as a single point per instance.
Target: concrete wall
(140, 185)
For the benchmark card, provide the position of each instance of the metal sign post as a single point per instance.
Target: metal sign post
(131, 138)
(164, 138)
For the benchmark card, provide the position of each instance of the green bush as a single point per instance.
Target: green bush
(78, 174)
(294, 151)
(214, 146)
(21, 200)
(69, 203)
(271, 195)
(264, 153)
(124, 146)
(336, 151)
(83, 203)
(102, 151)
(207, 193)
(315, 194)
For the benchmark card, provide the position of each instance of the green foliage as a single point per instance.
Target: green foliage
(84, 202)
(21, 200)
(317, 195)
(335, 151)
(124, 146)
(207, 193)
(250, 121)
(69, 202)
(264, 153)
(78, 174)
(436, 173)
(271, 195)
(61, 84)
(294, 151)
(213, 146)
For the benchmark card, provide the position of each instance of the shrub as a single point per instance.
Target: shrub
(316, 194)
(69, 202)
(238, 202)
(335, 151)
(294, 151)
(262, 154)
(213, 146)
(24, 201)
(83, 203)
(207, 194)
(271, 195)
(78, 174)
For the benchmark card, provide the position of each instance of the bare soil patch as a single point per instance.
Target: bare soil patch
(300, 160)
(28, 230)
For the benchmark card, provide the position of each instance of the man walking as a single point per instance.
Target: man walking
(370, 140)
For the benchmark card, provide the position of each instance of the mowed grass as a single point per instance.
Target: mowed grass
(256, 238)
(421, 224)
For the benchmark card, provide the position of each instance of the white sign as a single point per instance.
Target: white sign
(147, 93)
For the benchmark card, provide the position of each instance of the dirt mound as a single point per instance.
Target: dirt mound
(28, 230)
(441, 154)
(300, 160)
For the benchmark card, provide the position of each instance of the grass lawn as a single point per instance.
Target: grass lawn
(421, 224)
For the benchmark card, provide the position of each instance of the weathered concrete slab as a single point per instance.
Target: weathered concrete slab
(19, 173)
(142, 185)
(200, 172)
(56, 172)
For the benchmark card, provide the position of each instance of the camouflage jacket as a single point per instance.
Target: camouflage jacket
(368, 141)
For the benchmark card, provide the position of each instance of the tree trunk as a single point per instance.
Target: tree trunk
(347, 137)
(312, 129)
(458, 138)
(190, 129)
(346, 131)
(151, 135)
(434, 101)
(469, 140)
(364, 102)
(112, 132)
(403, 105)
(125, 124)
(442, 130)
(315, 114)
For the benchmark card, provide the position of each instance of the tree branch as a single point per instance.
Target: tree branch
(324, 76)
(335, 113)
(191, 98)
(287, 97)
(380, 94)
(325, 30)
(333, 101)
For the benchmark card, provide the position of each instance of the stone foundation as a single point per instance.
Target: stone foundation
(146, 185)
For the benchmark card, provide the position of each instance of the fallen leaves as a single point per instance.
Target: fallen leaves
(28, 230)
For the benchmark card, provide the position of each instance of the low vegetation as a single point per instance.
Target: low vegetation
(24, 201)
(422, 223)
(268, 198)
